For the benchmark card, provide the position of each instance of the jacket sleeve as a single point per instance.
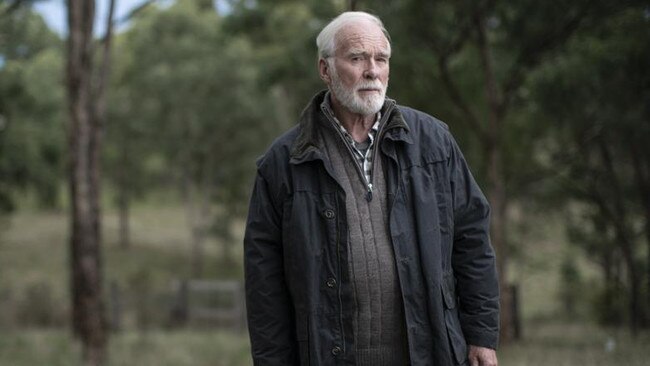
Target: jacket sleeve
(473, 259)
(269, 307)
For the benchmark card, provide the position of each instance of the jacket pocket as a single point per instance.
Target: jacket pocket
(454, 331)
(302, 336)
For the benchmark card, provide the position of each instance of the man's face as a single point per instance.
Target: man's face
(357, 74)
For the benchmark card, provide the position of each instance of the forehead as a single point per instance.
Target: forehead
(361, 36)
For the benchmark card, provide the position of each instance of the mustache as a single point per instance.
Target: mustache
(370, 85)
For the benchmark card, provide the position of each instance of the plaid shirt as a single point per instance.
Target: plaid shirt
(363, 150)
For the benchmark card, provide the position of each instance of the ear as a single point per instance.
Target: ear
(324, 71)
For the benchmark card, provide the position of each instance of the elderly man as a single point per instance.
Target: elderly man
(367, 237)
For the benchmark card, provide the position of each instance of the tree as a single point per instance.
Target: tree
(197, 95)
(599, 143)
(126, 137)
(86, 98)
(482, 53)
(284, 35)
(31, 113)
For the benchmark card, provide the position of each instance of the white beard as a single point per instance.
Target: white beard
(349, 98)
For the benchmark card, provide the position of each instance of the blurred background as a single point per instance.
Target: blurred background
(127, 148)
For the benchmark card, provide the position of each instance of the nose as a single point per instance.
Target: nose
(371, 71)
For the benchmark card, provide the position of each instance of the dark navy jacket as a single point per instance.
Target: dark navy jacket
(298, 291)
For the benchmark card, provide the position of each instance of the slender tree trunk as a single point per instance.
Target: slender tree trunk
(618, 216)
(496, 191)
(633, 277)
(497, 198)
(123, 208)
(201, 228)
(642, 178)
(88, 304)
(226, 237)
(608, 260)
(125, 237)
(195, 222)
(191, 187)
(191, 221)
(500, 92)
(123, 195)
(86, 106)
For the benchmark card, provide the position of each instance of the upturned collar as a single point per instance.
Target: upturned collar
(313, 117)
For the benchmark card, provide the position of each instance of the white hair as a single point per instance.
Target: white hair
(326, 40)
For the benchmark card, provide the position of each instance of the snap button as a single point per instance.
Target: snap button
(329, 214)
(336, 351)
(331, 282)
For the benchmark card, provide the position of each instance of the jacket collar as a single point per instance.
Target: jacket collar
(307, 145)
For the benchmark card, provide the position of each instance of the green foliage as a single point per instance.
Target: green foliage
(23, 34)
(194, 97)
(597, 132)
(284, 37)
(31, 109)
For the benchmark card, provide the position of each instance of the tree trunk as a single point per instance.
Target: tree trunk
(123, 197)
(608, 267)
(86, 108)
(496, 191)
(497, 198)
(89, 321)
(618, 216)
(499, 93)
(195, 222)
(642, 178)
(125, 242)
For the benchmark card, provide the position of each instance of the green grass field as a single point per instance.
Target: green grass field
(554, 344)
(34, 283)
(155, 348)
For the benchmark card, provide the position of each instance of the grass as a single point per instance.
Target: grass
(557, 344)
(159, 348)
(33, 255)
(34, 251)
(568, 344)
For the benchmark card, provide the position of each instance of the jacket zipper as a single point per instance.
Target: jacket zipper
(382, 122)
(375, 149)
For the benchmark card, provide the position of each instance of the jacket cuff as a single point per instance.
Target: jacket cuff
(483, 339)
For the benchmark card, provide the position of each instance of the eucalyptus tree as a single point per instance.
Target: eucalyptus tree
(477, 57)
(193, 91)
(86, 89)
(596, 99)
(31, 108)
(469, 62)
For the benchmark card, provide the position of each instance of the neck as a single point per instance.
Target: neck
(357, 125)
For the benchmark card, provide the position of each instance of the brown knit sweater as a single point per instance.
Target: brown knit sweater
(379, 333)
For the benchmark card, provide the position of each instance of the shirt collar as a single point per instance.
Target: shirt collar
(327, 104)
